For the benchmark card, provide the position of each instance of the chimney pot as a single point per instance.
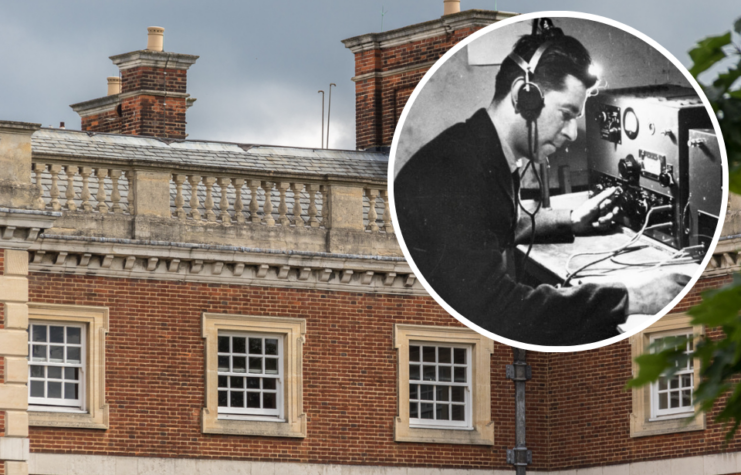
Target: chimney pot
(451, 6)
(61, 125)
(155, 38)
(114, 85)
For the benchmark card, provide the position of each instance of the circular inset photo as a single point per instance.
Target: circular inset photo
(558, 181)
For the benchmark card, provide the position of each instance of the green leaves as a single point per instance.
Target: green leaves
(708, 52)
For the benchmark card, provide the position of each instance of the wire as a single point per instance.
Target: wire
(613, 252)
(532, 145)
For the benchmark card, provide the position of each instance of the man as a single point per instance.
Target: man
(456, 202)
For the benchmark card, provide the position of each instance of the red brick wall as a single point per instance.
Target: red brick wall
(154, 375)
(154, 79)
(109, 122)
(379, 101)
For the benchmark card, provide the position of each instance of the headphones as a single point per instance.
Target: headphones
(528, 95)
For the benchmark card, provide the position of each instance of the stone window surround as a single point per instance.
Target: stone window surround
(97, 325)
(293, 331)
(482, 432)
(641, 421)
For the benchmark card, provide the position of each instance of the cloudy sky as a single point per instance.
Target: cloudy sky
(261, 63)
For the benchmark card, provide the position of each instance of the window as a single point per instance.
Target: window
(444, 388)
(665, 406)
(253, 375)
(66, 368)
(439, 385)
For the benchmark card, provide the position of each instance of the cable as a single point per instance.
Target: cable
(614, 252)
(531, 131)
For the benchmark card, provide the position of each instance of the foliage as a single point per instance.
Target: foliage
(720, 359)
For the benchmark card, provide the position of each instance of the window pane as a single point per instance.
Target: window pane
(239, 364)
(459, 375)
(56, 353)
(54, 372)
(271, 346)
(253, 400)
(256, 346)
(73, 354)
(442, 393)
(37, 389)
(443, 373)
(427, 410)
(223, 395)
(37, 371)
(413, 413)
(70, 373)
(442, 413)
(663, 404)
(73, 335)
(674, 399)
(253, 383)
(224, 364)
(56, 334)
(427, 392)
(686, 398)
(39, 333)
(269, 383)
(39, 352)
(428, 373)
(237, 399)
(459, 355)
(458, 394)
(443, 355)
(223, 344)
(255, 364)
(428, 354)
(236, 382)
(662, 384)
(413, 391)
(223, 382)
(686, 380)
(674, 382)
(268, 401)
(413, 353)
(458, 413)
(70, 391)
(414, 372)
(239, 345)
(271, 365)
(54, 389)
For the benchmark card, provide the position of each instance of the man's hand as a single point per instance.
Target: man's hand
(595, 214)
(649, 293)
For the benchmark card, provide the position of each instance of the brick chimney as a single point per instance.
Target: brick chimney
(151, 98)
(389, 65)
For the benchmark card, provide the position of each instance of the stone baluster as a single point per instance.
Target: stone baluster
(312, 189)
(388, 226)
(179, 199)
(101, 195)
(85, 172)
(297, 209)
(39, 202)
(54, 191)
(208, 204)
(224, 202)
(194, 202)
(115, 193)
(325, 207)
(238, 204)
(69, 193)
(267, 207)
(282, 206)
(372, 214)
(254, 205)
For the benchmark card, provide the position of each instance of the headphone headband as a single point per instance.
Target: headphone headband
(529, 68)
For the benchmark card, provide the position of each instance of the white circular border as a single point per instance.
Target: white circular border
(489, 29)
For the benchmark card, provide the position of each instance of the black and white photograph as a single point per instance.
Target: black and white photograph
(558, 181)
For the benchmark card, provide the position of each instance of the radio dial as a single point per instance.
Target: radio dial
(666, 179)
(629, 169)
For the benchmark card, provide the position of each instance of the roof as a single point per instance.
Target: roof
(248, 158)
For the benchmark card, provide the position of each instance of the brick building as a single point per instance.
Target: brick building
(174, 306)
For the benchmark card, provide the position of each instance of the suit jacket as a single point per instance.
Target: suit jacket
(455, 202)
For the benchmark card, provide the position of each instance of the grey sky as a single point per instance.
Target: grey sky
(261, 63)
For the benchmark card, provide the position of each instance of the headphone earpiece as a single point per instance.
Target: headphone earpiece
(528, 97)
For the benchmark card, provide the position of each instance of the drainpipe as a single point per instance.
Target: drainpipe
(519, 372)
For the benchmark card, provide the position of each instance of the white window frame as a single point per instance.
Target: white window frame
(46, 402)
(683, 410)
(248, 413)
(465, 424)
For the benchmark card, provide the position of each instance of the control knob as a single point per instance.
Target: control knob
(629, 169)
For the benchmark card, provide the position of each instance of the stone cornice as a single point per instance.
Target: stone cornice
(12, 127)
(429, 29)
(108, 103)
(154, 59)
(225, 265)
(393, 72)
(20, 228)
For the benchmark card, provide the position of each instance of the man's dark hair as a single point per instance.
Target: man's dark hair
(564, 56)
